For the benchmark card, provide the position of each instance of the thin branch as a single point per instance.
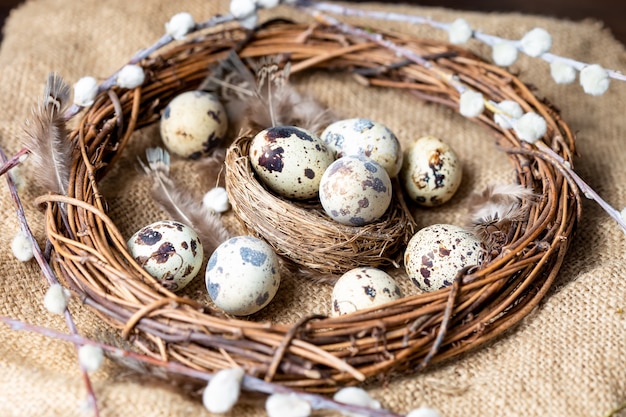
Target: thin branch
(249, 383)
(50, 277)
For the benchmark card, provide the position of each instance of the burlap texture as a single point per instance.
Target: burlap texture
(567, 359)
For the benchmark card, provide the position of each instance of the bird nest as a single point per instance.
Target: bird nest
(316, 353)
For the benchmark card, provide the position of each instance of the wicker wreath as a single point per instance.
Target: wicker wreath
(317, 354)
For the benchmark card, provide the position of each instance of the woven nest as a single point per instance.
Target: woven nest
(317, 353)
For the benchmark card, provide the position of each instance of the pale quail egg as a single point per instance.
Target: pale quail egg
(366, 137)
(355, 190)
(290, 161)
(242, 275)
(362, 288)
(435, 254)
(170, 251)
(193, 123)
(431, 172)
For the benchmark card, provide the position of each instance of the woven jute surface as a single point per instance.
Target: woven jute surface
(568, 358)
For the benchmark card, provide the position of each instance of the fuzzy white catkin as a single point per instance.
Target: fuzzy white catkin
(17, 176)
(180, 25)
(623, 214)
(504, 53)
(267, 4)
(22, 247)
(222, 392)
(130, 76)
(512, 111)
(356, 396)
(424, 412)
(459, 31)
(217, 200)
(287, 405)
(530, 127)
(241, 9)
(594, 80)
(90, 357)
(562, 72)
(85, 91)
(56, 299)
(536, 42)
(249, 22)
(471, 103)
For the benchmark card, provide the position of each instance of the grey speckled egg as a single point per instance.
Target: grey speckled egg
(242, 275)
(193, 123)
(431, 172)
(290, 161)
(435, 254)
(362, 288)
(170, 251)
(360, 136)
(355, 190)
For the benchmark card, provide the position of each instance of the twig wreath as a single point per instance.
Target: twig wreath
(316, 354)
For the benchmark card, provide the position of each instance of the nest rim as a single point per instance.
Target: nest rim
(319, 354)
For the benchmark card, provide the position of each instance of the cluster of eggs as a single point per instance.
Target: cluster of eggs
(349, 168)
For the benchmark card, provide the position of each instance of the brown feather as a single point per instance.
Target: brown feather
(47, 137)
(180, 204)
(262, 97)
(496, 211)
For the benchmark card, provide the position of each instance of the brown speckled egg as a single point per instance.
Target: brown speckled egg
(431, 172)
(355, 190)
(290, 161)
(193, 123)
(170, 251)
(435, 254)
(242, 275)
(362, 288)
(360, 136)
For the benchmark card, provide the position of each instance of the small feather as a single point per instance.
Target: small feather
(181, 204)
(262, 96)
(495, 212)
(47, 137)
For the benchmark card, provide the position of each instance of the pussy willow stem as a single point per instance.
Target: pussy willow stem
(490, 40)
(583, 186)
(249, 383)
(50, 277)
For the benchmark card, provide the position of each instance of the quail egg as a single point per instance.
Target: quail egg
(242, 275)
(360, 136)
(193, 123)
(436, 253)
(170, 251)
(431, 172)
(361, 288)
(290, 161)
(355, 190)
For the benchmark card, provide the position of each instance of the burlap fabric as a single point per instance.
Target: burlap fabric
(567, 359)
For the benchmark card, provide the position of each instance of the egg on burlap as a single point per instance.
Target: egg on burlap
(242, 275)
(361, 288)
(431, 172)
(169, 250)
(193, 123)
(436, 253)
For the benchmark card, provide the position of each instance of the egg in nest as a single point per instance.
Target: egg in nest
(361, 288)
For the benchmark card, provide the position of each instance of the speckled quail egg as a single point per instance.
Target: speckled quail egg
(242, 275)
(290, 161)
(355, 190)
(170, 251)
(436, 253)
(361, 288)
(431, 172)
(193, 123)
(360, 136)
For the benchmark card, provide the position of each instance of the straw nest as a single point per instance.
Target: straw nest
(316, 353)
